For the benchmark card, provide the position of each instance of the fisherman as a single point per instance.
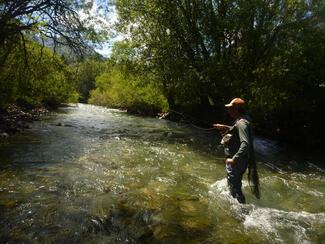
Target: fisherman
(239, 150)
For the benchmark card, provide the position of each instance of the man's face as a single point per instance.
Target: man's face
(232, 111)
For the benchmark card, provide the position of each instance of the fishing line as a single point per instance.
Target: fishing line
(190, 123)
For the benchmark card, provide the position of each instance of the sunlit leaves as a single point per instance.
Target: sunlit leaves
(264, 51)
(45, 80)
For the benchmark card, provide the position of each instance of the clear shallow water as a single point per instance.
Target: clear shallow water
(108, 177)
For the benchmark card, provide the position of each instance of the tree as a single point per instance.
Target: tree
(86, 72)
(56, 22)
(47, 80)
(205, 52)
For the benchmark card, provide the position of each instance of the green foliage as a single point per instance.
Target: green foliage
(115, 88)
(205, 52)
(51, 22)
(190, 55)
(85, 73)
(35, 77)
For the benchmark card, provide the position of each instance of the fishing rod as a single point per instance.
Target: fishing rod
(190, 123)
(198, 127)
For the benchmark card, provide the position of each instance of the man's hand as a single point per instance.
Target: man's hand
(230, 161)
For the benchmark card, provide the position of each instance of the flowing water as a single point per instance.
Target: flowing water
(87, 174)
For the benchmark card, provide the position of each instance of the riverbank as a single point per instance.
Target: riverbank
(15, 118)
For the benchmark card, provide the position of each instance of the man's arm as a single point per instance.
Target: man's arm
(222, 127)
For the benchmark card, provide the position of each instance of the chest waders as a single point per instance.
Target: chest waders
(232, 142)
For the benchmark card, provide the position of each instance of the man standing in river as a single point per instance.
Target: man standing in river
(239, 150)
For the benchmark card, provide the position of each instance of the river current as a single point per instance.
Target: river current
(88, 174)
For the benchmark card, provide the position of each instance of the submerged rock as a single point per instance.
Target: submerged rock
(195, 224)
(4, 135)
(63, 125)
(187, 207)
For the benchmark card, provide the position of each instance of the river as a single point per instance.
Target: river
(88, 174)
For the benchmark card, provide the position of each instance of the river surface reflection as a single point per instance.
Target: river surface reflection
(88, 174)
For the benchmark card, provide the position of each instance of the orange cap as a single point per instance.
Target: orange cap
(236, 102)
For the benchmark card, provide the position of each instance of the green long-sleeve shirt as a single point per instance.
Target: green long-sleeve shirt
(240, 143)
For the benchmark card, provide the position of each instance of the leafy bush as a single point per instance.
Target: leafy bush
(117, 89)
(35, 76)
